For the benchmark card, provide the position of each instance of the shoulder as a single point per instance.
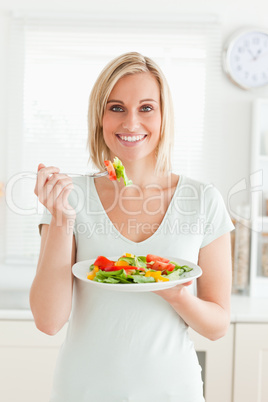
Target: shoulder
(83, 189)
(188, 185)
(81, 185)
(80, 181)
(202, 197)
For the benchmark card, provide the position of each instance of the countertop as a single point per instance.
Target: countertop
(243, 309)
(249, 309)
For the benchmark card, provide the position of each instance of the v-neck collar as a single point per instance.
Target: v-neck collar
(156, 233)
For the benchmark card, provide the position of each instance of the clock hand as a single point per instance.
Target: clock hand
(250, 52)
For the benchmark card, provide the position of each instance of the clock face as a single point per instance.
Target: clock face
(247, 59)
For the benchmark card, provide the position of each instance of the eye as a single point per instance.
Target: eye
(116, 108)
(146, 108)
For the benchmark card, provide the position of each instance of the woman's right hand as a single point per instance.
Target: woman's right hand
(52, 189)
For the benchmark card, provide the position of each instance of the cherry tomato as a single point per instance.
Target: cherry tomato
(151, 257)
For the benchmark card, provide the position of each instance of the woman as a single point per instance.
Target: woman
(130, 346)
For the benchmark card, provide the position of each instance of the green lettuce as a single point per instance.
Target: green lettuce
(135, 261)
(184, 267)
(112, 277)
(143, 279)
(120, 171)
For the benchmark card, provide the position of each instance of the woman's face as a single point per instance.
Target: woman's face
(132, 118)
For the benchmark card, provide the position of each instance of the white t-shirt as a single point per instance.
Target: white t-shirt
(133, 346)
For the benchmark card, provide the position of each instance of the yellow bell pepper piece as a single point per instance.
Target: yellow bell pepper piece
(121, 263)
(130, 255)
(162, 279)
(157, 276)
(92, 274)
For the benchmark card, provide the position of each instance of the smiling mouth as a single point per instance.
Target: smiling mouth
(131, 138)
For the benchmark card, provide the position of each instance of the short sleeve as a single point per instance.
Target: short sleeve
(217, 218)
(45, 219)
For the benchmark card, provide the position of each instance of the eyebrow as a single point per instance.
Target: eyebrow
(122, 103)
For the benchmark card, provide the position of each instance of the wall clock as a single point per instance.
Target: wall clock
(245, 58)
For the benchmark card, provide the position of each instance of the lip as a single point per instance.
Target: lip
(131, 135)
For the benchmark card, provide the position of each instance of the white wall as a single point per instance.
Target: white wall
(236, 103)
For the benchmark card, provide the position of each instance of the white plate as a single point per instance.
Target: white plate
(81, 270)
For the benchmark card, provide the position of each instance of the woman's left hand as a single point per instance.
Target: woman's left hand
(171, 293)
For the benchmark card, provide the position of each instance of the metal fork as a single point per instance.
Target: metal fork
(96, 174)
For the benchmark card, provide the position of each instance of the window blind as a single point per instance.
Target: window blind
(53, 65)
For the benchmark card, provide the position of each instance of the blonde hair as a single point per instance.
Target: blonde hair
(129, 63)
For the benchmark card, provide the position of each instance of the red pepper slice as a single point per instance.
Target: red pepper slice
(103, 262)
(118, 268)
(111, 170)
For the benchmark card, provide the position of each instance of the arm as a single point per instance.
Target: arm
(209, 312)
(51, 291)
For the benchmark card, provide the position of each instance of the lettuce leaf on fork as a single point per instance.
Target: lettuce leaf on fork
(121, 172)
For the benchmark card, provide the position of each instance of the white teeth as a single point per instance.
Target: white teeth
(133, 138)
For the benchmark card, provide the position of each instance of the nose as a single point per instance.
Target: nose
(131, 122)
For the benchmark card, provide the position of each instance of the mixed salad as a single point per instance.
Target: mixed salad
(116, 170)
(135, 269)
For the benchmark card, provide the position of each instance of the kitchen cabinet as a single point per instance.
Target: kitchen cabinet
(216, 359)
(28, 358)
(234, 368)
(27, 361)
(251, 363)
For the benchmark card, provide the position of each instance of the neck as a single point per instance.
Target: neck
(142, 172)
